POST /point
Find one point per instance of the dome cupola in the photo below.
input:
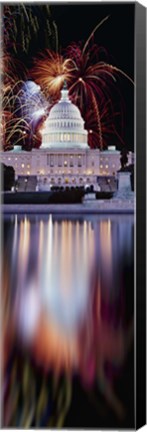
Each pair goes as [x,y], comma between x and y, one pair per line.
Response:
[64,127]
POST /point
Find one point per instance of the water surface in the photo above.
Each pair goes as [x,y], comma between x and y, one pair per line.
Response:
[68,291]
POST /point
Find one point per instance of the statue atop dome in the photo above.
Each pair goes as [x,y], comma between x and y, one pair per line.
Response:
[65,85]
[64,93]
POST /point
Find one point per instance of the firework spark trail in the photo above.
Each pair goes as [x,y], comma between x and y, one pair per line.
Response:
[23,107]
[12,124]
[95,105]
[22,24]
[108,117]
[18,106]
[50,70]
[90,80]
[31,100]
[93,31]
[11,70]
[97,76]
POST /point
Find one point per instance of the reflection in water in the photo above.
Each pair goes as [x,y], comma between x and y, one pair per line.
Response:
[65,284]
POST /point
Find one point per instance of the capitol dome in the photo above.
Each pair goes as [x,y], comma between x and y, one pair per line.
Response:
[64,127]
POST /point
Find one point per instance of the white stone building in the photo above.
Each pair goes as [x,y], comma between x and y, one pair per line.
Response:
[64,158]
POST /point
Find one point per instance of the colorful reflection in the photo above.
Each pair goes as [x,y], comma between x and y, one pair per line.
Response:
[66,315]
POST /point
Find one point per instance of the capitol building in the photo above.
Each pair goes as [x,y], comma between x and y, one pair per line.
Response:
[64,158]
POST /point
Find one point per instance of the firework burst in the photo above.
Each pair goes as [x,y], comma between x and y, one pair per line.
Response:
[92,83]
[23,110]
[22,25]
[107,124]
[50,71]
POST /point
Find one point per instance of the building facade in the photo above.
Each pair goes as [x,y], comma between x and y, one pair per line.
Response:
[64,157]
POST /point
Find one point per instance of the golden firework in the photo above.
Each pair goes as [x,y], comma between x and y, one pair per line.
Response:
[50,71]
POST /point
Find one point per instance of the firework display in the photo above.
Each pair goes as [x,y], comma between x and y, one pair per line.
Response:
[67,156]
[21,30]
[23,24]
[92,80]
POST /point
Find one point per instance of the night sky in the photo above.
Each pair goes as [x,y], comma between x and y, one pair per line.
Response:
[116,35]
[75,22]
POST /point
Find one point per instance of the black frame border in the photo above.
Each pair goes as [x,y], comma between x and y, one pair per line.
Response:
[140,295]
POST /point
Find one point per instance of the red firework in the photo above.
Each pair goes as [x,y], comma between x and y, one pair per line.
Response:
[50,70]
[108,119]
[92,83]
[93,87]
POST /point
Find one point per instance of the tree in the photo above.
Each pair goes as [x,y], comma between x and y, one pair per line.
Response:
[8,177]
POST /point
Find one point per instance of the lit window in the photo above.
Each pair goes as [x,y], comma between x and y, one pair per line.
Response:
[9,158]
[15,158]
[65,163]
[106,166]
[22,165]
[71,160]
[101,166]
[28,172]
[28,166]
